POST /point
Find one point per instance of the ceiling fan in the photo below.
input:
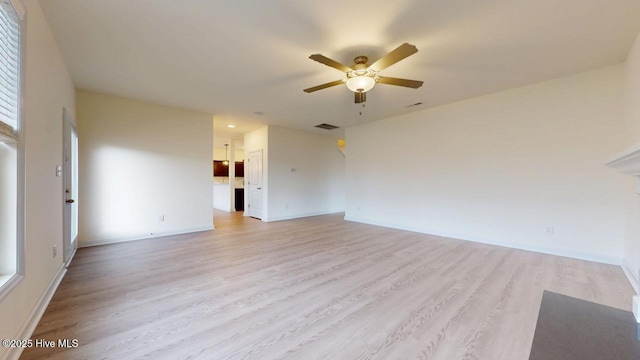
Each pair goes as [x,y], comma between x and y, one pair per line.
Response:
[361,77]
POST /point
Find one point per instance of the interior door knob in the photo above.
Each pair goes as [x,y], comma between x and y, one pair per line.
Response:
[70,201]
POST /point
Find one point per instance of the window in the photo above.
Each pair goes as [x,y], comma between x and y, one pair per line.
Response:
[11,168]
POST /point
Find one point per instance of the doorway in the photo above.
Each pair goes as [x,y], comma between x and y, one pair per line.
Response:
[255,184]
[70,186]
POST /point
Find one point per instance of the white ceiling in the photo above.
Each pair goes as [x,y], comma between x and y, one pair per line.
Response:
[234,58]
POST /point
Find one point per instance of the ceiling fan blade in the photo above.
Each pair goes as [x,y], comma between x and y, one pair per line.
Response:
[329,62]
[324,86]
[360,97]
[414,84]
[394,56]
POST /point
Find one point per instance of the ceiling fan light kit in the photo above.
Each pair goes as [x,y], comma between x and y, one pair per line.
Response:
[362,77]
[360,83]
[361,80]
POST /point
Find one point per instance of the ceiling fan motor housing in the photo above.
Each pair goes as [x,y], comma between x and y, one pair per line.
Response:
[360,60]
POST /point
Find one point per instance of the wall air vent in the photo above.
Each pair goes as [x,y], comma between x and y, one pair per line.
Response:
[327,126]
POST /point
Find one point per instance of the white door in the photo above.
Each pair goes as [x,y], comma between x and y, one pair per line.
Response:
[255,184]
[70,186]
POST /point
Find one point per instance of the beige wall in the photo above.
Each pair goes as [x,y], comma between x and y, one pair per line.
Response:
[316,186]
[48,90]
[306,174]
[502,168]
[632,117]
[140,161]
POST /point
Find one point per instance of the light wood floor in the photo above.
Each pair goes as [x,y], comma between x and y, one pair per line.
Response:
[313,288]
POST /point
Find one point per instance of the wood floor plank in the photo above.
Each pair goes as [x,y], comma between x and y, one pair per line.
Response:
[312,288]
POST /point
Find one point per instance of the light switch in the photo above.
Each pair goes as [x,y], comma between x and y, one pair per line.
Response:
[58,170]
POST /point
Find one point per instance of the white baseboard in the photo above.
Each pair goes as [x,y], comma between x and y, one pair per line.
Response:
[298,216]
[612,260]
[89,243]
[36,314]
[628,271]
[73,254]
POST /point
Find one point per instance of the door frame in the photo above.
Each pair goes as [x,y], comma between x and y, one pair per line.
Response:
[248,202]
[69,246]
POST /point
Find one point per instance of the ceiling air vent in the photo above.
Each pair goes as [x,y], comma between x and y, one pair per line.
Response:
[327,126]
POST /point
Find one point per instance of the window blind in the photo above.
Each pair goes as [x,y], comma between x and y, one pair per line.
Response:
[9,70]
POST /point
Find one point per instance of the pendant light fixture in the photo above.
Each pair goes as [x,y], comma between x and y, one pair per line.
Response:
[226,155]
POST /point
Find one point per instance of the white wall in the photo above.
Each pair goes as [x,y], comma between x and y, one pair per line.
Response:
[139,161]
[316,186]
[48,90]
[501,168]
[221,196]
[632,116]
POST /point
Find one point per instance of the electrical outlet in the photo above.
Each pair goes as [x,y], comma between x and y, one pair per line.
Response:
[161,218]
[55,250]
[551,230]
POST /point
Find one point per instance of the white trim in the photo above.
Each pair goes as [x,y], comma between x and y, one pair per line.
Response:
[36,313]
[628,271]
[89,243]
[612,260]
[8,282]
[298,216]
[68,127]
[628,161]
[7,134]
[16,278]
[5,279]
[19,7]
[73,254]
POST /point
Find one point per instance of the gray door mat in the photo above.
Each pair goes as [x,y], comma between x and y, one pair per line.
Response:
[570,328]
